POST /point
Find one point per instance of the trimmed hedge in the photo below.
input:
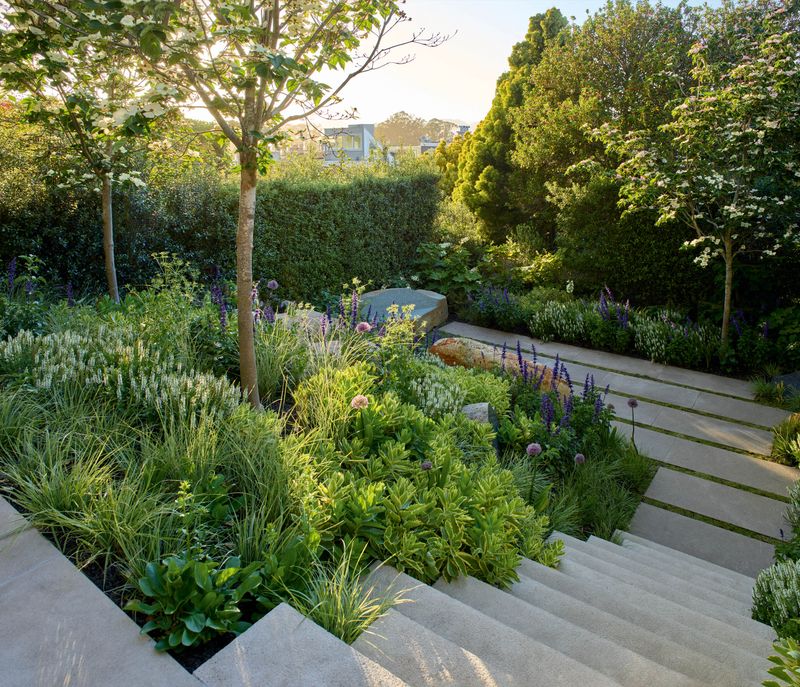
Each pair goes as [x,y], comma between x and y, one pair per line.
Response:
[311,235]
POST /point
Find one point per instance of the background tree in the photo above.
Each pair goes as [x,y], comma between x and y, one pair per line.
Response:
[625,64]
[487,178]
[68,81]
[728,162]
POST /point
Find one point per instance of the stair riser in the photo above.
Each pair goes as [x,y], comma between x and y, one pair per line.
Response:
[643,641]
[607,657]
[696,574]
[531,663]
[744,580]
[734,621]
[619,556]
[692,630]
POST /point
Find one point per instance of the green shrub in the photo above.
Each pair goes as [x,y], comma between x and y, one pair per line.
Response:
[786,441]
[787,664]
[776,598]
[189,601]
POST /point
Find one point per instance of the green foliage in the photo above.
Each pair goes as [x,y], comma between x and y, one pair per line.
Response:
[598,247]
[445,268]
[281,358]
[787,664]
[776,598]
[190,601]
[487,181]
[339,599]
[786,441]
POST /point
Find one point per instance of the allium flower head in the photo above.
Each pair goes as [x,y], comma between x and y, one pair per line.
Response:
[272,285]
[633,403]
[426,465]
[363,327]
[359,402]
[580,459]
[534,449]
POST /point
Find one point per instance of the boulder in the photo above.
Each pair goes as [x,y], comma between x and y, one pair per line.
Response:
[430,308]
[474,354]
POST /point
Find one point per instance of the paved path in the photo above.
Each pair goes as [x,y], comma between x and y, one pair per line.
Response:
[713,495]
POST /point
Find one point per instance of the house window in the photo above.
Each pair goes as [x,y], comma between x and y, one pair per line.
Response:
[348,142]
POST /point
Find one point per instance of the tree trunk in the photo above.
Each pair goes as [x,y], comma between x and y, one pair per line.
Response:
[108,239]
[244,275]
[726,308]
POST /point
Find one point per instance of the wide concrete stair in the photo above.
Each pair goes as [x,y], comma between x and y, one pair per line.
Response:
[624,615]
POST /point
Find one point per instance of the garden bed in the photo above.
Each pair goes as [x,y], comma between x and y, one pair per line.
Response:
[124,439]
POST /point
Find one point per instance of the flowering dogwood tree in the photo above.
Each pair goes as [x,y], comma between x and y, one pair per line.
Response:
[69,80]
[728,162]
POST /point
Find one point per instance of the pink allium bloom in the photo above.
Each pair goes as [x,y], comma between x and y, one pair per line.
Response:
[534,449]
[272,285]
[633,403]
[359,402]
[363,327]
[580,459]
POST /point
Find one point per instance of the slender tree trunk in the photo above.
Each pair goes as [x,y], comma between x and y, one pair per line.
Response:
[726,308]
[244,275]
[108,239]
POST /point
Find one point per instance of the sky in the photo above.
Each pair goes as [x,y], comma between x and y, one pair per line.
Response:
[455,81]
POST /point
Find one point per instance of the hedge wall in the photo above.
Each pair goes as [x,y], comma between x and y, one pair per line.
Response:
[310,235]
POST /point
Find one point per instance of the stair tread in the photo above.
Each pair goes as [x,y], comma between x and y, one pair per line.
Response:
[493,641]
[694,572]
[599,652]
[675,595]
[424,659]
[683,658]
[741,578]
[285,648]
[745,655]
[703,590]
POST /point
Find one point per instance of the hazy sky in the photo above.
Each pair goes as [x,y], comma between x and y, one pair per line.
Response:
[456,80]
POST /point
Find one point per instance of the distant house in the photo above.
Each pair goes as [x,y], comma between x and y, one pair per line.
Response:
[356,142]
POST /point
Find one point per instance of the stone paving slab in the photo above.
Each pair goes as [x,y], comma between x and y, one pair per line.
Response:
[23,552]
[714,544]
[711,460]
[10,520]
[285,649]
[694,425]
[621,363]
[58,628]
[721,502]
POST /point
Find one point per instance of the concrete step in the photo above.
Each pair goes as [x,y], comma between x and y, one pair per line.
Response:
[424,659]
[581,566]
[693,631]
[596,651]
[494,642]
[666,374]
[286,649]
[742,581]
[679,596]
[58,628]
[681,567]
[702,589]
[690,424]
[681,658]
[712,460]
[709,542]
[721,502]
